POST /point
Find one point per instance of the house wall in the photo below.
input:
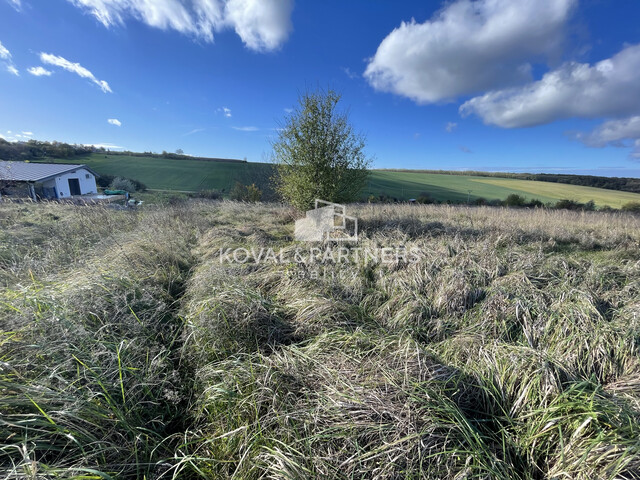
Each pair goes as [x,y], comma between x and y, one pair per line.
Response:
[61,183]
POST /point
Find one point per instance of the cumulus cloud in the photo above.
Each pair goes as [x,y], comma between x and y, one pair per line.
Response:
[39,71]
[615,133]
[226,111]
[27,134]
[7,61]
[76,68]
[114,121]
[468,47]
[450,127]
[262,25]
[609,88]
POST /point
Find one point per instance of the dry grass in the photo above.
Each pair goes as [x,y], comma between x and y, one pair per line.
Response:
[128,350]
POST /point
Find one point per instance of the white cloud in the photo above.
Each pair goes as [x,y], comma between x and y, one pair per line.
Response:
[615,133]
[114,121]
[107,146]
[5,55]
[194,131]
[27,134]
[74,68]
[17,4]
[610,88]
[226,111]
[261,24]
[349,73]
[450,127]
[39,71]
[246,129]
[468,47]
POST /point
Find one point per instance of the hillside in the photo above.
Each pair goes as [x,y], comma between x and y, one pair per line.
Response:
[458,188]
[507,348]
[194,175]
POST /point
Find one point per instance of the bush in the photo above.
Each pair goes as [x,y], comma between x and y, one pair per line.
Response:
[424,198]
[515,200]
[246,193]
[104,181]
[631,207]
[120,183]
[208,194]
[574,205]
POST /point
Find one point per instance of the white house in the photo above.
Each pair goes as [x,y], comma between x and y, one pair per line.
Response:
[49,180]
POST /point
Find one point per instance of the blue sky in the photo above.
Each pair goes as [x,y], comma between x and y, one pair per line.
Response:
[513,85]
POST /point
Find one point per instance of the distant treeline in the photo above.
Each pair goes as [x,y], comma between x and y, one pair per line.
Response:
[624,184]
[38,150]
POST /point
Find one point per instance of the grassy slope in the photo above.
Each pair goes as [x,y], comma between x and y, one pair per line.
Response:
[456,187]
[193,175]
[509,351]
[177,175]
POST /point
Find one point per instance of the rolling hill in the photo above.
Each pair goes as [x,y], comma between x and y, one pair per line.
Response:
[188,175]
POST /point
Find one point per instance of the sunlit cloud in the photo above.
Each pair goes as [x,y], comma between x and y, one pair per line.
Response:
[263,25]
[39,71]
[76,68]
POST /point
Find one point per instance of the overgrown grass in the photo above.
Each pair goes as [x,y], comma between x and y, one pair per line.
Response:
[129,350]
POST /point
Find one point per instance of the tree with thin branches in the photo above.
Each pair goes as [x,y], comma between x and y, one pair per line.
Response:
[318,154]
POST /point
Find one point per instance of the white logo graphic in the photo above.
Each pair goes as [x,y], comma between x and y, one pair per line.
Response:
[328,223]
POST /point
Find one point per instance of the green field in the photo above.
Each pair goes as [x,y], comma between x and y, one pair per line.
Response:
[195,175]
[405,185]
[178,175]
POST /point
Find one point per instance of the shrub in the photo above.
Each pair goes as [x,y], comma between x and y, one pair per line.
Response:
[575,205]
[631,207]
[515,200]
[122,183]
[424,198]
[208,194]
[246,193]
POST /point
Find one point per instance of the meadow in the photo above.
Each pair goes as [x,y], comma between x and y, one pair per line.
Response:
[195,175]
[509,350]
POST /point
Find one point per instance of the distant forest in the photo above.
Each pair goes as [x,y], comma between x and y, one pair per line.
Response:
[37,150]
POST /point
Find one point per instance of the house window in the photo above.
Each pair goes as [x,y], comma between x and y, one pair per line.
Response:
[87,176]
